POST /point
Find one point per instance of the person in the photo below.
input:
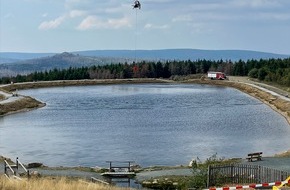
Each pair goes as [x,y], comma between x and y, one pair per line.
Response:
[137,4]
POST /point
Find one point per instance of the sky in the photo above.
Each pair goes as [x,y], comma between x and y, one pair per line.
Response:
[57,26]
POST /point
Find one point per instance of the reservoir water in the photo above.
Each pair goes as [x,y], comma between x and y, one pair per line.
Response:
[151,124]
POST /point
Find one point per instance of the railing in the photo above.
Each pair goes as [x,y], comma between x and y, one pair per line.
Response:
[93,179]
[6,167]
[23,167]
[219,175]
[14,169]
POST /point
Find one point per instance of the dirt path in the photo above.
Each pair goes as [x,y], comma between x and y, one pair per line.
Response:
[270,89]
[8,98]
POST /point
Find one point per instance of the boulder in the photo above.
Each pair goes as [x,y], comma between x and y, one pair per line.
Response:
[34,165]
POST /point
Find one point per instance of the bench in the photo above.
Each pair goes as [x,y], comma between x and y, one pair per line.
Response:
[255,155]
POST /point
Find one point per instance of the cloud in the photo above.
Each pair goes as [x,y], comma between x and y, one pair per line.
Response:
[47,25]
[256,3]
[113,14]
[94,22]
[149,26]
[182,18]
[76,13]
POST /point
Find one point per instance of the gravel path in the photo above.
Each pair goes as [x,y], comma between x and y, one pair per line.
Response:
[9,97]
[265,87]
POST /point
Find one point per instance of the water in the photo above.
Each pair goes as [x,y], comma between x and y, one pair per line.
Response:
[152,124]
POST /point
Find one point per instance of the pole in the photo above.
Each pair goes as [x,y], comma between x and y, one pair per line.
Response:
[136,30]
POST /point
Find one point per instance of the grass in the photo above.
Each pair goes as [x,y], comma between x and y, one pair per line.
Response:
[2,97]
[2,158]
[52,184]
[25,103]
[285,154]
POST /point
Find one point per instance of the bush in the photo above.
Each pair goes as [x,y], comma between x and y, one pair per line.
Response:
[262,73]
[253,73]
[200,170]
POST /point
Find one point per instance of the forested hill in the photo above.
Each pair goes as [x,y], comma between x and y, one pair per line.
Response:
[270,70]
[184,54]
[45,62]
[58,61]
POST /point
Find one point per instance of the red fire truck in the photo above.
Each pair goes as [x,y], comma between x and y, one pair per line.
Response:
[216,75]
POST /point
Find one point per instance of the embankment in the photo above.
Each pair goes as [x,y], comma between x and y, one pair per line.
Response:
[46,84]
[24,103]
[277,103]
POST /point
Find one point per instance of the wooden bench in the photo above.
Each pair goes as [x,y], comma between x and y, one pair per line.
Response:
[255,155]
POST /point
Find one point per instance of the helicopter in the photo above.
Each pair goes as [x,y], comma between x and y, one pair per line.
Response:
[136,5]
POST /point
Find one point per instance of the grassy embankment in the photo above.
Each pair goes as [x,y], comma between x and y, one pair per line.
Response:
[52,184]
[46,84]
[22,104]
[276,103]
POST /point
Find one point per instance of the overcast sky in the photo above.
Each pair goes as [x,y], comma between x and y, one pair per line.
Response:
[72,25]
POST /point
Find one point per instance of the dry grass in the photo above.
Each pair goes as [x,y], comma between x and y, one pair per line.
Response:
[46,84]
[284,154]
[51,184]
[25,103]
[2,97]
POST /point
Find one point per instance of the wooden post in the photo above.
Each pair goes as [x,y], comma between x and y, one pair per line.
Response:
[208,176]
[17,163]
[5,167]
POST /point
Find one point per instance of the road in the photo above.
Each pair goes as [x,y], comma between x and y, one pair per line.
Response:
[265,87]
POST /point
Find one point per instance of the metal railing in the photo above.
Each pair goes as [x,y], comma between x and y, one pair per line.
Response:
[243,174]
[14,169]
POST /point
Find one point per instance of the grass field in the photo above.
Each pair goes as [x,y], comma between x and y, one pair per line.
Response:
[51,184]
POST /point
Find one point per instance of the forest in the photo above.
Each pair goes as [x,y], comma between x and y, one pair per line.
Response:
[268,70]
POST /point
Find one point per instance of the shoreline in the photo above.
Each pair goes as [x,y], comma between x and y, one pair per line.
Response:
[278,104]
[25,103]
[275,102]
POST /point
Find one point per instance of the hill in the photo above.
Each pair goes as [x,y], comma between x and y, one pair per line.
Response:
[184,54]
[58,61]
[10,57]
[12,64]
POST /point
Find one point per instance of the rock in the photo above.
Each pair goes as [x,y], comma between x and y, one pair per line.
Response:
[98,169]
[34,165]
[135,167]
[192,163]
[34,174]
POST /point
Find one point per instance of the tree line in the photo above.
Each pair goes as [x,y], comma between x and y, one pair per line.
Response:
[270,70]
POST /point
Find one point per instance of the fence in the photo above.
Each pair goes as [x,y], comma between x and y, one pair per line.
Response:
[243,174]
[13,170]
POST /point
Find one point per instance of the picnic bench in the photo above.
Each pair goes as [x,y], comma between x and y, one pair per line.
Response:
[256,155]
